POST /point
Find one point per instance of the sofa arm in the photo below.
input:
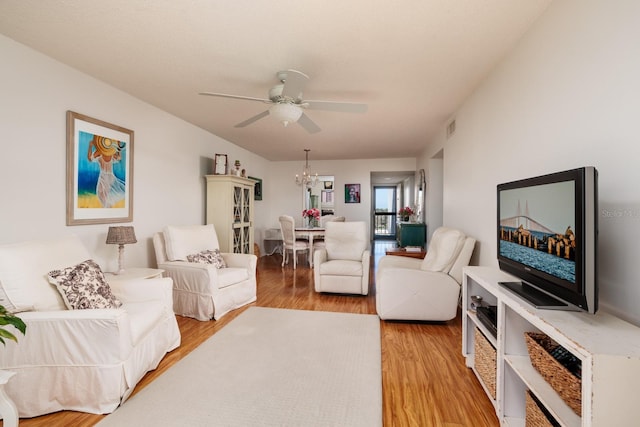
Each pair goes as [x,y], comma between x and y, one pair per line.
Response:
[70,338]
[140,290]
[248,261]
[394,261]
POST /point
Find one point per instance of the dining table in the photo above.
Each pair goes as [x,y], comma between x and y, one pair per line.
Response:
[310,233]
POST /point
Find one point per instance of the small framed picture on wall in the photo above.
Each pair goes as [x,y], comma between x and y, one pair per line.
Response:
[352,193]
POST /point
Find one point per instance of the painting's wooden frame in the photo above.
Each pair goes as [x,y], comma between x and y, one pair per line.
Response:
[79,127]
[257,189]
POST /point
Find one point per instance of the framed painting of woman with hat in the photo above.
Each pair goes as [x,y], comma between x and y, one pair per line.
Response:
[99,171]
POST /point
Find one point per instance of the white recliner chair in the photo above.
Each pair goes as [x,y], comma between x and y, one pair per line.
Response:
[429,289]
[202,290]
[343,265]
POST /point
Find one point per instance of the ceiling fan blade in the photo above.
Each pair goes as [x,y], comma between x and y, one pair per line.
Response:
[248,98]
[308,124]
[345,107]
[252,119]
[294,84]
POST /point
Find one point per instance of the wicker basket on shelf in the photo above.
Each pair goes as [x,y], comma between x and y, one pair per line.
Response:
[485,361]
[567,385]
[535,416]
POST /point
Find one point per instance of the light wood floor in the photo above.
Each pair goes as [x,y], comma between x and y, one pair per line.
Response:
[424,378]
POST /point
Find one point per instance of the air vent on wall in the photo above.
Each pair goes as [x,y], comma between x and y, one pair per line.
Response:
[451,128]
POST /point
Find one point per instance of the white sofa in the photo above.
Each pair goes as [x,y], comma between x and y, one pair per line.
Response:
[201,290]
[429,289]
[86,360]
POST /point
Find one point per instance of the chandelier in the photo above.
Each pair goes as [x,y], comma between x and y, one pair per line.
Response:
[307,178]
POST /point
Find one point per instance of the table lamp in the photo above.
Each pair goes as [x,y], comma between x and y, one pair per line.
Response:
[121,236]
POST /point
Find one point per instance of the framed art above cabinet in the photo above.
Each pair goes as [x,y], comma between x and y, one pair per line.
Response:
[220,164]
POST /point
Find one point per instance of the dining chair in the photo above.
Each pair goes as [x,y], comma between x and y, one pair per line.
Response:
[289,242]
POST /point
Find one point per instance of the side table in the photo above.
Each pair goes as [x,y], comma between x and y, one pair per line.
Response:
[136,273]
[404,252]
[7,407]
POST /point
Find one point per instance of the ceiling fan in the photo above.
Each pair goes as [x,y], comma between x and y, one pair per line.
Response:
[287,104]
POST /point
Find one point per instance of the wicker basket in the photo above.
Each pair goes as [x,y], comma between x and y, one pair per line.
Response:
[535,416]
[485,361]
[567,385]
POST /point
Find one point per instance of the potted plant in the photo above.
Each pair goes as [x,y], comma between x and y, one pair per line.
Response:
[7,318]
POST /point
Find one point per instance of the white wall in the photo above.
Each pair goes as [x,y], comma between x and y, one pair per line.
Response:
[568,96]
[170,156]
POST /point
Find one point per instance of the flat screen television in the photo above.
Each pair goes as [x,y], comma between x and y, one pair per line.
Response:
[547,238]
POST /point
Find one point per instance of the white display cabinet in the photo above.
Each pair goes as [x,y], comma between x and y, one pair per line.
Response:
[230,210]
[608,348]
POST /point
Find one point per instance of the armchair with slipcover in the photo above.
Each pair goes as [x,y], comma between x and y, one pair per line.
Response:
[212,283]
[429,289]
[88,341]
[342,266]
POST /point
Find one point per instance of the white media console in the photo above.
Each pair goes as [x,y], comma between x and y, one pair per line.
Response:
[608,347]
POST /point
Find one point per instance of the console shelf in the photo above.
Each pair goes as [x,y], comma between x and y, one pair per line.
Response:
[608,348]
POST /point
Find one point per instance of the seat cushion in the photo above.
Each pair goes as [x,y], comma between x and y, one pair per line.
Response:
[186,240]
[341,267]
[444,248]
[231,275]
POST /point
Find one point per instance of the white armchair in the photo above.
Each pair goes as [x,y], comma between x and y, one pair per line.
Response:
[343,265]
[201,290]
[429,289]
[86,360]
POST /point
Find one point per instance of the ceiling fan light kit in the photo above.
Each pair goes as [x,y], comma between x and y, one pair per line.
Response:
[285,113]
[287,102]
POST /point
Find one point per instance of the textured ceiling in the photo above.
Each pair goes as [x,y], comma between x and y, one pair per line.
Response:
[413,62]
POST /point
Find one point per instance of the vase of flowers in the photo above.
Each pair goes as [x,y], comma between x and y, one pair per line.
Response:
[312,215]
[405,213]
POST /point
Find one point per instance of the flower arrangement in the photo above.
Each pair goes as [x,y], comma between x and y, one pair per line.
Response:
[311,213]
[406,211]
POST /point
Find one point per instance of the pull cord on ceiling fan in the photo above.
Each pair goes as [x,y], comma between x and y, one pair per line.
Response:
[288,104]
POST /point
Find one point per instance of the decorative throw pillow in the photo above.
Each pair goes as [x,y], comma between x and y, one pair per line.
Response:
[208,257]
[83,286]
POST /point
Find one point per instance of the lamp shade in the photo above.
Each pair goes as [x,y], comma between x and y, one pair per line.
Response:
[286,113]
[123,235]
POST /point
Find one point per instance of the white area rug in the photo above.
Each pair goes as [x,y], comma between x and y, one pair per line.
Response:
[270,367]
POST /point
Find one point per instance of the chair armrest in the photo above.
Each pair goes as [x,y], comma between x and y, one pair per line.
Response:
[70,338]
[319,257]
[192,276]
[140,290]
[248,261]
